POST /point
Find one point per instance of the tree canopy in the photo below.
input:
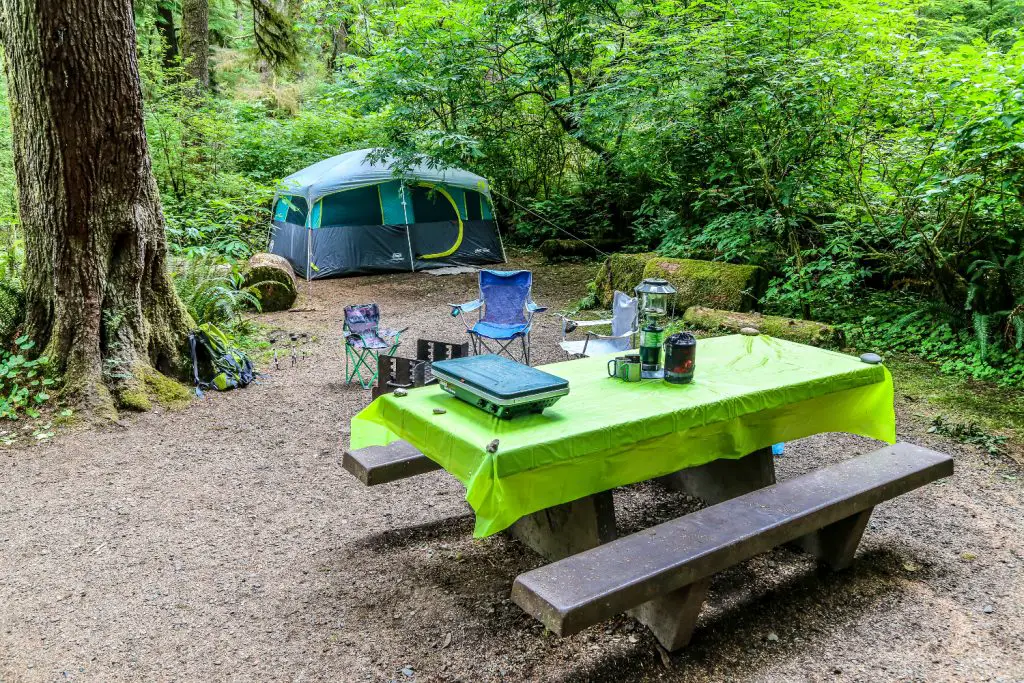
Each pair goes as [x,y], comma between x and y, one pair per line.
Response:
[868,154]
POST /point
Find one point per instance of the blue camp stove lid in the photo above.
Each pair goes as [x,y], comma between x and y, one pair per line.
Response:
[499,377]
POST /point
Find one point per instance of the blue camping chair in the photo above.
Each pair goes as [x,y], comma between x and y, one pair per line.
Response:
[506,313]
[364,340]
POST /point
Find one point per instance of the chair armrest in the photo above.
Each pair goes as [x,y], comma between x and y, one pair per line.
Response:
[625,335]
[534,308]
[569,325]
[466,307]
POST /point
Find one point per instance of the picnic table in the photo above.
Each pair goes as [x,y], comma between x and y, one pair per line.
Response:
[549,476]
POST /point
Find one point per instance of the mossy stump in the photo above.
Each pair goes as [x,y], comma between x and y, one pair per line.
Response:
[620,272]
[803,331]
[709,283]
[272,276]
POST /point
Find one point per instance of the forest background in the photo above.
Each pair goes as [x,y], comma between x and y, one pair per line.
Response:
[869,155]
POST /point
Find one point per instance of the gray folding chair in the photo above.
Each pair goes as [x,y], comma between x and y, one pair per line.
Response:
[624,323]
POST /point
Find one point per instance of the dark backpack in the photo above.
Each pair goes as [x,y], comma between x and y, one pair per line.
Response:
[227,367]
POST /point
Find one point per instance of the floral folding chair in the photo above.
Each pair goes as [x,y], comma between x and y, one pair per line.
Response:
[624,324]
[365,339]
[506,309]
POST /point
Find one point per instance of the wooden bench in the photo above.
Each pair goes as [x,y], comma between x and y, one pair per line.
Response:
[382,464]
[661,574]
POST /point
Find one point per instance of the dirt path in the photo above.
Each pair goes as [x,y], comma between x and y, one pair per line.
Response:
[224,542]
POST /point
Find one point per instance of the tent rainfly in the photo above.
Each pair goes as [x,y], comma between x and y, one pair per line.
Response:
[347,215]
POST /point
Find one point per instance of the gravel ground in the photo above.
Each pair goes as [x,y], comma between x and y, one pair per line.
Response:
[224,542]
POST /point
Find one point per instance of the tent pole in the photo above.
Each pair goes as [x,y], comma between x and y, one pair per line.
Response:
[408,236]
[270,230]
[494,215]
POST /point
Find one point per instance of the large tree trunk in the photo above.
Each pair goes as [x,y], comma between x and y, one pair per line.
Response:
[195,40]
[165,26]
[99,300]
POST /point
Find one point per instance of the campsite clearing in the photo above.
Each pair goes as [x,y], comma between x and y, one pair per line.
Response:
[225,542]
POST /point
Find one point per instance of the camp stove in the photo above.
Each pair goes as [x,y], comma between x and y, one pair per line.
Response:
[499,386]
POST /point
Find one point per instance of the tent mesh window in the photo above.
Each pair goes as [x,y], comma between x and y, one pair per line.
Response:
[431,206]
[294,214]
[361,206]
[473,210]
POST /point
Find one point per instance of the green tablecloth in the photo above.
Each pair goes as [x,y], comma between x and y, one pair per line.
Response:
[747,393]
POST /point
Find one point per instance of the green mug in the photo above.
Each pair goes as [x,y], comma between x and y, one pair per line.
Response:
[626,368]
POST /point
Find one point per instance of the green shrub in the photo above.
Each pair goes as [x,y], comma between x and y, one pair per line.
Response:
[910,323]
[12,295]
[22,381]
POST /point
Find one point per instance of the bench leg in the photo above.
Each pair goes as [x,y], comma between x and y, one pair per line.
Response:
[673,616]
[722,479]
[836,543]
[570,528]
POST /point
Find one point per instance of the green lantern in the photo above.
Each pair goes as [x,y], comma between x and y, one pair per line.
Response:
[655,296]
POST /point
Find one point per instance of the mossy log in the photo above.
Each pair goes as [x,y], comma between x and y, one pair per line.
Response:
[803,331]
[560,250]
[709,283]
[272,276]
[620,272]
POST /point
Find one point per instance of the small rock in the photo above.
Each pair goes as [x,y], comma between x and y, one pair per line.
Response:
[634,639]
[439,411]
[987,609]
[773,637]
[447,640]
[400,393]
[871,358]
[750,331]
[408,672]
[492,447]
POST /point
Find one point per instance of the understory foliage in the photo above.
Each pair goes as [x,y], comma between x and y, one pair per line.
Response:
[23,382]
[12,295]
[850,148]
[869,155]
[214,294]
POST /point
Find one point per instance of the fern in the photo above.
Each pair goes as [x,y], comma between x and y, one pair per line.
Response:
[981,331]
[1017,322]
[213,293]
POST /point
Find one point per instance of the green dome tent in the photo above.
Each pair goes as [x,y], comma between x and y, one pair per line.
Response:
[348,214]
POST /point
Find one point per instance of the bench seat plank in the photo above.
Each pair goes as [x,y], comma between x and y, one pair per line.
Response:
[579,591]
[382,464]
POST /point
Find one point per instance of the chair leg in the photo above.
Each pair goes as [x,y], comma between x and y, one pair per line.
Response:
[364,362]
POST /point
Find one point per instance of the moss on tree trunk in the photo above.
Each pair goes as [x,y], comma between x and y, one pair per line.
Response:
[98,299]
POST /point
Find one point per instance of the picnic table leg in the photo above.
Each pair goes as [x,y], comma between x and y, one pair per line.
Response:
[570,528]
[722,479]
[836,543]
[673,616]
